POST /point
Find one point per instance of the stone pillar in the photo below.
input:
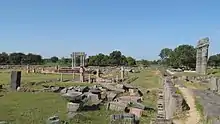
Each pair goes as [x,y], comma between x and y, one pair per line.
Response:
[198,60]
[34,70]
[202,56]
[28,69]
[117,79]
[83,60]
[15,79]
[122,73]
[89,78]
[97,73]
[204,60]
[61,77]
[81,74]
[74,59]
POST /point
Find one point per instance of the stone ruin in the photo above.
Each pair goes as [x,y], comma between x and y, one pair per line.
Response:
[82,56]
[120,97]
[170,103]
[202,55]
[209,101]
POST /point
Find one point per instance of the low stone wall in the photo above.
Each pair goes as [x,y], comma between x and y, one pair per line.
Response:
[210,103]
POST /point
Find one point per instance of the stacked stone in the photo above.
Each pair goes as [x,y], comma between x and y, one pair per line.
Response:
[160,106]
[161,113]
[202,55]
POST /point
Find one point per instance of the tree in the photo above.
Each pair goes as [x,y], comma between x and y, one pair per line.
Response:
[214,60]
[4,58]
[131,61]
[165,53]
[183,56]
[145,63]
[33,59]
[115,58]
[17,58]
[54,59]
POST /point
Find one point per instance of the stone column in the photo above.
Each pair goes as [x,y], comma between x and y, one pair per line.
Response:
[34,70]
[198,60]
[117,79]
[83,59]
[81,74]
[204,60]
[89,78]
[202,56]
[72,60]
[28,69]
[122,73]
[97,73]
[80,60]
[42,70]
[74,57]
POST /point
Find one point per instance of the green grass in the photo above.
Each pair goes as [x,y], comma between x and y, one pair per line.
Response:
[68,84]
[148,80]
[215,72]
[32,77]
[199,108]
[196,85]
[30,108]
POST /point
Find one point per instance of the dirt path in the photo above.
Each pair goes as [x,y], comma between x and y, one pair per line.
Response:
[193,116]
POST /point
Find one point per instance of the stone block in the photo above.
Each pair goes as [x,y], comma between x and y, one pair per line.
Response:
[111,96]
[116,106]
[15,79]
[213,85]
[123,119]
[137,112]
[218,85]
[72,107]
[53,120]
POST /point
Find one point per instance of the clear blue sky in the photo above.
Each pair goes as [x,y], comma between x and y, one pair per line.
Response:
[138,28]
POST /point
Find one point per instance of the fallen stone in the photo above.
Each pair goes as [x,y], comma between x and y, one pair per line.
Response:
[81,89]
[55,89]
[72,107]
[137,112]
[73,96]
[53,120]
[4,122]
[63,91]
[116,106]
[129,98]
[137,105]
[125,118]
[111,96]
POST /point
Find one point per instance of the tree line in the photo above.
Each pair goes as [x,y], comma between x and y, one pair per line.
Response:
[20,58]
[184,56]
[115,58]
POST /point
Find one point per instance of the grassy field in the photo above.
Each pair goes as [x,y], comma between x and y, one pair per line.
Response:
[35,108]
[148,80]
[215,72]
